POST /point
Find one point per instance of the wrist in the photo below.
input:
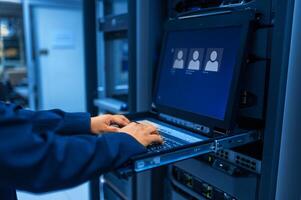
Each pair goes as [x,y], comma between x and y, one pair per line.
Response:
[92,125]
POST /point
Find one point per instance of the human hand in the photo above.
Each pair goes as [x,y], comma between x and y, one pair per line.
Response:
[145,134]
[105,123]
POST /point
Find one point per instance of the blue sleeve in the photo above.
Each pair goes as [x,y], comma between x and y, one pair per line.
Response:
[58,121]
[41,161]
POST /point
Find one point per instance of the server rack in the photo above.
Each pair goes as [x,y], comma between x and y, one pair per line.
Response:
[116,92]
[270,52]
[229,174]
[114,35]
[267,68]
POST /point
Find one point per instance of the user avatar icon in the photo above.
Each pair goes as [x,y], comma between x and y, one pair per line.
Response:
[194,63]
[212,64]
[179,62]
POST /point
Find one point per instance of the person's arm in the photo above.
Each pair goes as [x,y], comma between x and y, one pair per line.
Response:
[57,121]
[42,161]
[65,123]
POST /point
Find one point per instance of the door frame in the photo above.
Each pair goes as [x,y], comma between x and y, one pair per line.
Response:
[31,44]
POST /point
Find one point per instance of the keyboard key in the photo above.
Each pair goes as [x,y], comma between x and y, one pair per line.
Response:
[168,144]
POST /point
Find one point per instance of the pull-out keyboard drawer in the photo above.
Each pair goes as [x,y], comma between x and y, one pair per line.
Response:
[149,161]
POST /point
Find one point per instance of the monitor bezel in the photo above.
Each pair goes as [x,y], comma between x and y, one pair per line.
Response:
[242,19]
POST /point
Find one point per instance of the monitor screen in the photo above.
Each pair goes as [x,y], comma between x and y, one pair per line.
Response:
[197,69]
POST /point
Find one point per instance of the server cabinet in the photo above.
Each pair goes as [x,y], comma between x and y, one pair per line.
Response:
[262,99]
[124,77]
[231,173]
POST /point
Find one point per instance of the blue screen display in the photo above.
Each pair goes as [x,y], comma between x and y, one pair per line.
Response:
[197,69]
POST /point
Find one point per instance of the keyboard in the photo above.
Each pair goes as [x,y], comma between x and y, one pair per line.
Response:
[167,135]
[164,130]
